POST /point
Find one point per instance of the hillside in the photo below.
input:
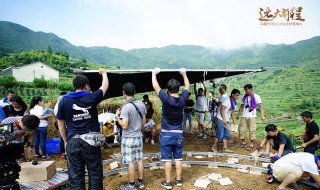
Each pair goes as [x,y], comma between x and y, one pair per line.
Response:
[16,38]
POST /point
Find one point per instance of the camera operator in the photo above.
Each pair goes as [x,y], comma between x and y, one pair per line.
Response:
[21,126]
[12,133]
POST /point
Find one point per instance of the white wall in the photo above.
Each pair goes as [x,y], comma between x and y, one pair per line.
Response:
[35,70]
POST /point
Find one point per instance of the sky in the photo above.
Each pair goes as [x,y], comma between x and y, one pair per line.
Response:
[130,24]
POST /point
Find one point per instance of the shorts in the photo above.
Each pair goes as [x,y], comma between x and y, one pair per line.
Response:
[147,134]
[171,144]
[281,172]
[222,131]
[248,122]
[110,139]
[200,117]
[210,116]
[131,149]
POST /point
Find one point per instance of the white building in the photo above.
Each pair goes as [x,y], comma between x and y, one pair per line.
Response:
[29,72]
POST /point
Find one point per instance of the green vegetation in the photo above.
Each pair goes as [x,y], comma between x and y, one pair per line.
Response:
[289,87]
[15,38]
[285,94]
[58,60]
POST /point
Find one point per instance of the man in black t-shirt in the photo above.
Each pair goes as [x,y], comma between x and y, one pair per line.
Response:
[187,114]
[311,136]
[78,111]
[278,140]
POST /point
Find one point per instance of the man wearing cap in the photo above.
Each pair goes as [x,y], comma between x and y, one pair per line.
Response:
[108,131]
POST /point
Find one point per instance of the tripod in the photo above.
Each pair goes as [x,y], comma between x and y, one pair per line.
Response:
[206,129]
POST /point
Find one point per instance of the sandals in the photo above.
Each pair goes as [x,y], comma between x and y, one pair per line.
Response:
[240,145]
[250,148]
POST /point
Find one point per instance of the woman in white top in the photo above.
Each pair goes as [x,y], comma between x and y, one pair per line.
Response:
[40,134]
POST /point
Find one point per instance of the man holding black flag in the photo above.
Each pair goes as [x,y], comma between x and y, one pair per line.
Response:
[77,110]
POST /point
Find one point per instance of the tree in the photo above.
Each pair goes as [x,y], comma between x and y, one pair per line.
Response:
[40,83]
[83,60]
[49,50]
[8,81]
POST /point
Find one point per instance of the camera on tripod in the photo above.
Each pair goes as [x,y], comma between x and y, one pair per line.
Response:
[10,151]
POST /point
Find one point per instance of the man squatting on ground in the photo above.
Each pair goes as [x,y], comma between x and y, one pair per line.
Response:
[78,111]
[131,118]
[223,114]
[278,140]
[249,103]
[171,137]
[200,107]
[295,166]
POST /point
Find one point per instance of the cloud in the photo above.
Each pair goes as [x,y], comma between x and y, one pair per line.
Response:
[228,24]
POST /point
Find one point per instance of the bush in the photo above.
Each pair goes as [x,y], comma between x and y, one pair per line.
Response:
[40,83]
[65,86]
[52,84]
[8,81]
[25,84]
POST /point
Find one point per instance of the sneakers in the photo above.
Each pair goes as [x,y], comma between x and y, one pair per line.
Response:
[240,145]
[269,178]
[204,137]
[167,185]
[147,140]
[39,156]
[139,184]
[179,182]
[250,148]
[46,156]
[214,148]
[152,142]
[264,155]
[128,187]
[227,150]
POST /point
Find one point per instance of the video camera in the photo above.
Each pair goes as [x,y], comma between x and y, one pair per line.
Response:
[10,151]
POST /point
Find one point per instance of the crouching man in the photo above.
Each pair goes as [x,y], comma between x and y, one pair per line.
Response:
[296,166]
[278,140]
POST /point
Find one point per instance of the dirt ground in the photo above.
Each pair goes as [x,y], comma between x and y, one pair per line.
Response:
[153,178]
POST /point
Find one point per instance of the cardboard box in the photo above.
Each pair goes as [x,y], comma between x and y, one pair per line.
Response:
[44,170]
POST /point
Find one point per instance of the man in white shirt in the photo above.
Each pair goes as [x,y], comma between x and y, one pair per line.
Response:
[294,166]
[200,107]
[6,101]
[223,114]
[223,92]
[249,103]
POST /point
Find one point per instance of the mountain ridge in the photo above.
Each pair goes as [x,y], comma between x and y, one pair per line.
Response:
[15,38]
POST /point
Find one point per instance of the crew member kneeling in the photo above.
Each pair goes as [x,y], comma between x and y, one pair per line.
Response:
[295,166]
